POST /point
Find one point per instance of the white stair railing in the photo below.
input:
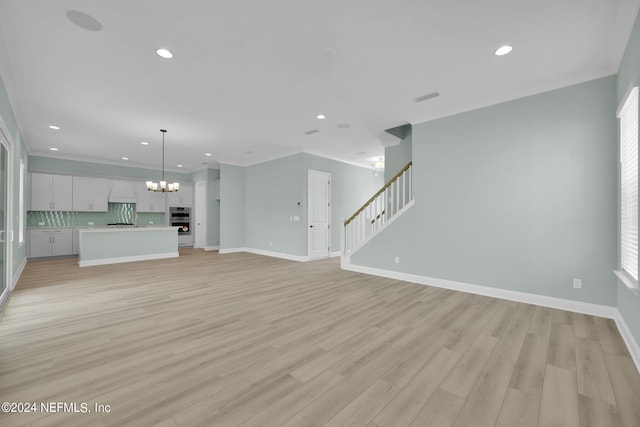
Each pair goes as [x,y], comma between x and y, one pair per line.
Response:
[367,221]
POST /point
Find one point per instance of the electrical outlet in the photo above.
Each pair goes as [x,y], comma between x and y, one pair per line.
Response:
[90,223]
[397,260]
[270,244]
[577,283]
[150,222]
[41,223]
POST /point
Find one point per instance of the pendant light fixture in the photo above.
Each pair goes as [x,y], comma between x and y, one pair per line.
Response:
[163,186]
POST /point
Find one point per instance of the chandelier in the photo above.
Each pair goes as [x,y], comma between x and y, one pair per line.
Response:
[163,186]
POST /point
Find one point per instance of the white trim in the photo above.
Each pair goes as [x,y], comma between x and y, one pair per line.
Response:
[211,248]
[232,250]
[628,282]
[627,336]
[118,260]
[631,86]
[18,273]
[335,254]
[290,257]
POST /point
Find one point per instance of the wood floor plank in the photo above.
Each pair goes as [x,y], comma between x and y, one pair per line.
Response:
[562,346]
[593,377]
[626,387]
[463,376]
[519,409]
[528,374]
[559,406]
[408,402]
[365,407]
[440,410]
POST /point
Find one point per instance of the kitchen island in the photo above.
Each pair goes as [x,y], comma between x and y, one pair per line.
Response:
[108,245]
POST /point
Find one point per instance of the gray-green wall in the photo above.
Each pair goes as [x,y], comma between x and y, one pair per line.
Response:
[518,196]
[275,191]
[628,74]
[232,206]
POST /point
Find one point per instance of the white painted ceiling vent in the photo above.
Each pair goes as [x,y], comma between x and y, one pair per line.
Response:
[427,96]
[83,20]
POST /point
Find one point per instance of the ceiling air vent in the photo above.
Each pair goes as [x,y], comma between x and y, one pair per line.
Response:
[427,96]
[311,132]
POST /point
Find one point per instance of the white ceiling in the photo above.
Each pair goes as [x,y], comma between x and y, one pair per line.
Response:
[249,77]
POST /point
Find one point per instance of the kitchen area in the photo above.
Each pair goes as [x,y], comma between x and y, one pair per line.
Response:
[105,220]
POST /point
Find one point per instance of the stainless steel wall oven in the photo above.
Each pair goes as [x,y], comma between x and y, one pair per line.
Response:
[180,217]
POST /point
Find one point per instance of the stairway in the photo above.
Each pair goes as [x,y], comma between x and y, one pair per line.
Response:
[393,199]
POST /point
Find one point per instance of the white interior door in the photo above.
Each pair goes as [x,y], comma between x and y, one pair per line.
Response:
[319,236]
[200,215]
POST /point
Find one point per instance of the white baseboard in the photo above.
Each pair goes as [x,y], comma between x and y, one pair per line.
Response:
[211,248]
[335,254]
[527,298]
[232,250]
[290,257]
[18,273]
[627,336]
[118,260]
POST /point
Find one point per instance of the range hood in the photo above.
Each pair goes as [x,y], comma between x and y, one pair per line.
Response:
[122,192]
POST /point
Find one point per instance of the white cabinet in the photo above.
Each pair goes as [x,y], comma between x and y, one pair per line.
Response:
[149,201]
[51,192]
[182,197]
[50,242]
[89,194]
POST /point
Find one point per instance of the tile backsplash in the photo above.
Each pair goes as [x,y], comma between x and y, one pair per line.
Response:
[117,212]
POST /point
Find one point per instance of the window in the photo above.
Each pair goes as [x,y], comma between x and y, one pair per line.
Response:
[21,203]
[628,115]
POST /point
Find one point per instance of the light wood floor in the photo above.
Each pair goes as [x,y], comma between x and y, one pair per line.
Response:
[241,339]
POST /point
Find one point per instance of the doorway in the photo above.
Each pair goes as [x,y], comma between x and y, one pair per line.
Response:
[319,232]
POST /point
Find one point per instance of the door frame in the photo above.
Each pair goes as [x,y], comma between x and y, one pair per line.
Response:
[200,204]
[309,213]
[7,142]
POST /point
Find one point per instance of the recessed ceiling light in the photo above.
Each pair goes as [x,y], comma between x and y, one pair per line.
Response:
[54,127]
[165,53]
[53,149]
[503,50]
[207,154]
[179,166]
[144,143]
[125,158]
[321,116]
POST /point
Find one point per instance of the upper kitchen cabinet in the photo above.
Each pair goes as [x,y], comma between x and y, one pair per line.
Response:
[182,197]
[149,201]
[90,194]
[51,192]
